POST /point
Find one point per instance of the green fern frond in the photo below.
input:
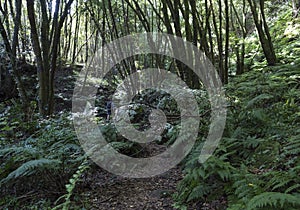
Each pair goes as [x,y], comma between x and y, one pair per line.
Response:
[31,167]
[12,151]
[72,147]
[292,188]
[274,200]
[278,180]
[199,192]
[293,147]
[243,189]
[252,142]
[65,148]
[236,206]
[258,99]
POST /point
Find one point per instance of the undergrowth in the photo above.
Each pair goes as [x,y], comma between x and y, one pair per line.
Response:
[40,165]
[256,166]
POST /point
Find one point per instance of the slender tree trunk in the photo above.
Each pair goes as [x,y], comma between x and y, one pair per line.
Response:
[68,37]
[263,31]
[226,65]
[46,50]
[12,53]
[208,11]
[55,54]
[140,14]
[43,94]
[220,45]
[272,59]
[240,34]
[86,32]
[75,40]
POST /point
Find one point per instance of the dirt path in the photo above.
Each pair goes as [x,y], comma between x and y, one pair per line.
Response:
[106,191]
[113,192]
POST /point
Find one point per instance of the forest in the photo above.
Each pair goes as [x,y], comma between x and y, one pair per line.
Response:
[198,104]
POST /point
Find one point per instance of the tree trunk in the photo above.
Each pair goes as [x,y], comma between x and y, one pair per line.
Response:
[55,54]
[12,52]
[75,39]
[220,43]
[240,34]
[263,32]
[41,71]
[46,51]
[226,65]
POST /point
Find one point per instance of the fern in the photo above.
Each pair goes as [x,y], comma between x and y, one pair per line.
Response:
[279,180]
[197,185]
[46,159]
[199,192]
[246,185]
[275,200]
[293,188]
[261,143]
[259,99]
[236,206]
[13,157]
[293,147]
[31,167]
[71,186]
[19,153]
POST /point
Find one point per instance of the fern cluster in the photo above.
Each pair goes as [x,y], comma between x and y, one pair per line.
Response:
[44,160]
[256,166]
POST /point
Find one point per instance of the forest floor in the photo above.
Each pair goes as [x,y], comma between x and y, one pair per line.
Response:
[103,190]
[107,191]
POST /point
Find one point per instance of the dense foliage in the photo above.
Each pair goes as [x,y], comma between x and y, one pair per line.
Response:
[257,164]
[255,47]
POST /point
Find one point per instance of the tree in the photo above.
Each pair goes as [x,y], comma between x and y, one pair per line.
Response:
[240,29]
[263,31]
[11,47]
[46,46]
[217,27]
[226,65]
